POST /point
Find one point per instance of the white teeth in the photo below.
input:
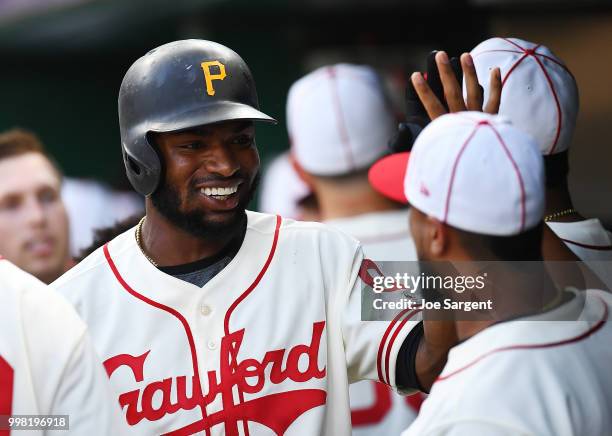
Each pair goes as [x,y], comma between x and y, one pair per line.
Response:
[219,192]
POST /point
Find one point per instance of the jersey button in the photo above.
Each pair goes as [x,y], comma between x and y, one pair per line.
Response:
[205,310]
[212,345]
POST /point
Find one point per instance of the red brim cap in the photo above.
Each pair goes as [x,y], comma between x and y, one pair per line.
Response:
[387,176]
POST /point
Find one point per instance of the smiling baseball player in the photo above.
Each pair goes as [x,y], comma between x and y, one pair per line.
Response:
[476,186]
[47,363]
[212,319]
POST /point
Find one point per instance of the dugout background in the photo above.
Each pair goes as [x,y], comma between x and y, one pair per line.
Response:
[62,62]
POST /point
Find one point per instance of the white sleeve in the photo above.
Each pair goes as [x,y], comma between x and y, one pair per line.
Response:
[470,427]
[84,394]
[371,347]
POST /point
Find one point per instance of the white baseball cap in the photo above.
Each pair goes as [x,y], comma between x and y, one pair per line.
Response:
[470,170]
[282,188]
[339,119]
[539,93]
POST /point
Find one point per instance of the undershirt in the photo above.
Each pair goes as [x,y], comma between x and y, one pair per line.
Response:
[203,270]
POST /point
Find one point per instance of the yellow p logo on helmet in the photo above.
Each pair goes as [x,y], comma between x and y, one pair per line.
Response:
[209,76]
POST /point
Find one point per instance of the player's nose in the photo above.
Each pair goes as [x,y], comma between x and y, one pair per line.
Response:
[222,161]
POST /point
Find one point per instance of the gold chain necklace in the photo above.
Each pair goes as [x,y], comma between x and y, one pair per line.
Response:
[138,231]
[559,214]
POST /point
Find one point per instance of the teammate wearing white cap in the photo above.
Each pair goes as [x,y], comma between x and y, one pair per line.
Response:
[284,192]
[476,186]
[540,96]
[340,121]
[47,363]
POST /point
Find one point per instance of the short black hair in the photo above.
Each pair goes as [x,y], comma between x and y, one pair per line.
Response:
[525,246]
[106,234]
[557,168]
[349,177]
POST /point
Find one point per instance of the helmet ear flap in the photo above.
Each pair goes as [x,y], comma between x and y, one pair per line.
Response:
[144,175]
[131,164]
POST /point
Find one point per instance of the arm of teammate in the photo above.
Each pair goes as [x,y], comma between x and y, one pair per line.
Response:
[84,394]
[371,347]
[469,427]
[404,353]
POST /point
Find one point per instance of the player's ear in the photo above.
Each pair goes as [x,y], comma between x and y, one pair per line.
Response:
[437,237]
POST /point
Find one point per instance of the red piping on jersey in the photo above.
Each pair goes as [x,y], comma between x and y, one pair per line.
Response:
[170,310]
[239,300]
[392,340]
[590,247]
[518,175]
[342,131]
[381,346]
[578,338]
[7,384]
[452,179]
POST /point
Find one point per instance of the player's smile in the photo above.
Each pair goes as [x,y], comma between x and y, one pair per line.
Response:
[219,197]
[216,166]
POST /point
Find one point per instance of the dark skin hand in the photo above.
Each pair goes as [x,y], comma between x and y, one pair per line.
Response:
[440,336]
[452,89]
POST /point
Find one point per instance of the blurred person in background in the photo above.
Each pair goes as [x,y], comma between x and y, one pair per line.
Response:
[540,96]
[33,218]
[340,121]
[103,235]
[48,365]
[283,192]
[92,205]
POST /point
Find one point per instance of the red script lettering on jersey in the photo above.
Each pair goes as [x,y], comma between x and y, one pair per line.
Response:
[275,411]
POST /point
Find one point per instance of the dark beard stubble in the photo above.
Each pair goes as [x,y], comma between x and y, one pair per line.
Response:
[166,199]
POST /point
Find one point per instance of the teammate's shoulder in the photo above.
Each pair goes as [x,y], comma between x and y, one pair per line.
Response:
[95,261]
[306,229]
[14,278]
[35,300]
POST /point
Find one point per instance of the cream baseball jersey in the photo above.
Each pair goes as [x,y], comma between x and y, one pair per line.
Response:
[47,362]
[375,408]
[528,377]
[590,242]
[268,346]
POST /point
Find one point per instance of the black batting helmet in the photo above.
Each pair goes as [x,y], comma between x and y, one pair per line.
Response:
[177,86]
